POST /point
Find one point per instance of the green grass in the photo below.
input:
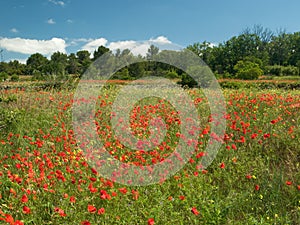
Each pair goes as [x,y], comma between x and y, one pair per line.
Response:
[39,157]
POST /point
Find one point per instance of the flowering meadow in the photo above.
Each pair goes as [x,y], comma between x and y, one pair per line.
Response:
[45,177]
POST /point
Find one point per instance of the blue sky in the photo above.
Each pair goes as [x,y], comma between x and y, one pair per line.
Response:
[46,26]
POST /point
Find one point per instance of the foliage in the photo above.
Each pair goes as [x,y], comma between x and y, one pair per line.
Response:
[277,70]
[247,70]
[14,77]
[275,53]
[45,178]
[3,76]
[187,81]
[171,74]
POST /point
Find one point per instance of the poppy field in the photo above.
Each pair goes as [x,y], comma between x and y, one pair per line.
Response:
[45,177]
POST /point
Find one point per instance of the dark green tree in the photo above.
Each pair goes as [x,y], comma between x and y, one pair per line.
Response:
[36,63]
[84,60]
[58,63]
[72,64]
[100,51]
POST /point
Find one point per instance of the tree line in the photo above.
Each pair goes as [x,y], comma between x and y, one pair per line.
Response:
[254,52]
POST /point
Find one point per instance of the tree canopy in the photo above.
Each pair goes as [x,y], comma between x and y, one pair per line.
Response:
[255,51]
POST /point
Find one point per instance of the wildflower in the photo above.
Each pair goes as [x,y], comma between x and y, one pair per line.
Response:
[60,211]
[151,221]
[24,198]
[92,209]
[222,165]
[101,211]
[195,211]
[26,210]
[233,146]
[288,183]
[123,190]
[72,199]
[181,197]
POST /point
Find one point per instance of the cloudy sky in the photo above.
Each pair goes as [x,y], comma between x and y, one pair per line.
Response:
[47,26]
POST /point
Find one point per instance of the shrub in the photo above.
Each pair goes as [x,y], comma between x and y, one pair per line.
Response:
[14,77]
[188,81]
[171,74]
[277,70]
[290,70]
[247,70]
[3,76]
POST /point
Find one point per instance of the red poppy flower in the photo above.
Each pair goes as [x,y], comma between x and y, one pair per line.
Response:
[248,176]
[24,198]
[26,210]
[257,187]
[101,211]
[222,165]
[288,183]
[86,222]
[92,209]
[181,197]
[151,221]
[233,146]
[204,171]
[195,211]
[61,212]
[123,190]
[72,199]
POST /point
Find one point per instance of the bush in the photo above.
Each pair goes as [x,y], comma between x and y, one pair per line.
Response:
[14,77]
[188,81]
[3,76]
[277,70]
[171,74]
[247,70]
[290,70]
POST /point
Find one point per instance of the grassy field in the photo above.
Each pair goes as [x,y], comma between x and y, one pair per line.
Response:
[255,178]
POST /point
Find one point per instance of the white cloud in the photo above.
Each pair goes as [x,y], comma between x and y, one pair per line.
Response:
[31,46]
[160,40]
[77,41]
[69,21]
[122,45]
[92,45]
[61,3]
[51,21]
[14,30]
[135,47]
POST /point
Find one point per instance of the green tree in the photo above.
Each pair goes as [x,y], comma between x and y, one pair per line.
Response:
[203,50]
[15,67]
[84,60]
[100,51]
[239,47]
[153,65]
[294,57]
[36,63]
[73,64]
[152,51]
[280,49]
[137,70]
[58,63]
